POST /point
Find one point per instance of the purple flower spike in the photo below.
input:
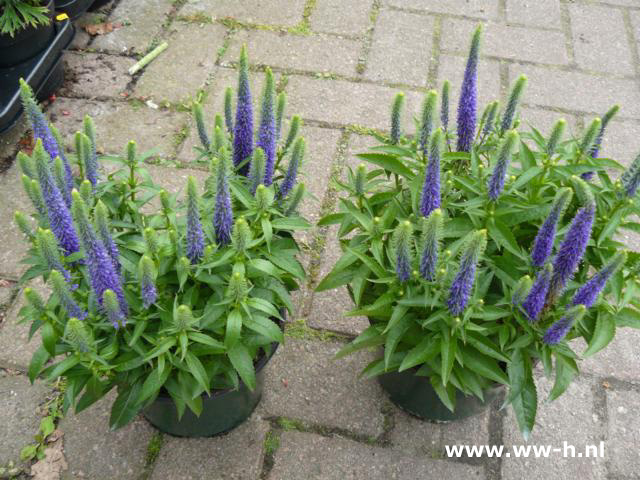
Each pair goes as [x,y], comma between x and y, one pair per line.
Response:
[102,225]
[402,240]
[61,288]
[431,233]
[147,276]
[460,290]
[499,174]
[543,244]
[102,274]
[468,96]
[589,292]
[289,180]
[57,212]
[243,128]
[267,132]
[195,236]
[535,300]
[430,199]
[223,214]
[572,249]
[631,178]
[556,333]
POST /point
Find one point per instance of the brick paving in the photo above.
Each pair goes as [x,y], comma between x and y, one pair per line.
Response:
[340,64]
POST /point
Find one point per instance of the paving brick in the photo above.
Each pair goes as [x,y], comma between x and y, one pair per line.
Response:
[342,102]
[624,432]
[94,451]
[117,123]
[635,24]
[305,455]
[12,198]
[600,39]
[452,68]
[401,55]
[573,90]
[428,439]
[9,143]
[7,290]
[468,8]
[623,350]
[572,418]
[544,120]
[182,69]
[95,75]
[621,141]
[19,419]
[275,12]
[312,53]
[514,43]
[331,16]
[235,455]
[16,349]
[540,13]
[141,22]
[305,382]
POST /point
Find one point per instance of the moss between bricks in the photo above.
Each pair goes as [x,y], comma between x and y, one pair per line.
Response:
[299,329]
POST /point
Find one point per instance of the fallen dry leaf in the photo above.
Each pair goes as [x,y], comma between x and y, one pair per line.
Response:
[52,465]
[101,28]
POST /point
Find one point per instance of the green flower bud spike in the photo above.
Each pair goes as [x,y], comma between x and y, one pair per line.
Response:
[556,136]
[151,241]
[360,180]
[238,288]
[241,235]
[34,300]
[590,136]
[264,197]
[183,318]
[396,118]
[79,336]
[24,224]
[295,199]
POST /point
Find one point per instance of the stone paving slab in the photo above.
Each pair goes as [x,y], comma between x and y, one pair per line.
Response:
[401,55]
[623,350]
[305,382]
[236,455]
[7,290]
[600,39]
[95,452]
[182,68]
[468,8]
[95,75]
[342,102]
[528,44]
[274,12]
[305,456]
[329,16]
[539,13]
[624,431]
[141,22]
[119,122]
[319,53]
[19,420]
[573,418]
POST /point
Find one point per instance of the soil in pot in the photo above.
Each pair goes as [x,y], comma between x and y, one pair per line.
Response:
[26,43]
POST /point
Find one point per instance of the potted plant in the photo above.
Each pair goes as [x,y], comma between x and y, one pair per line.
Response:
[479,254]
[177,304]
[26,28]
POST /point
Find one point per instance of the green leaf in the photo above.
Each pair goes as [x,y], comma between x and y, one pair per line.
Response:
[427,349]
[49,338]
[335,279]
[504,236]
[205,339]
[266,327]
[394,336]
[264,306]
[628,317]
[58,369]
[287,263]
[486,346]
[448,346]
[602,335]
[369,262]
[485,366]
[331,219]
[290,223]
[525,405]
[447,395]
[234,328]
[243,363]
[38,360]
[159,349]
[47,426]
[198,371]
[389,162]
[564,376]
[265,266]
[125,407]
[369,338]
[153,383]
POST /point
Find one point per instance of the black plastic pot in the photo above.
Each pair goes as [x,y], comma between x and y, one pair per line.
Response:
[415,395]
[73,8]
[26,43]
[44,73]
[222,411]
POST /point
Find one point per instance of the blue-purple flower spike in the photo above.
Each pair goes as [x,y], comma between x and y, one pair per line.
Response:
[430,199]
[102,274]
[537,297]
[289,180]
[499,173]
[556,333]
[59,216]
[402,240]
[572,249]
[631,178]
[606,118]
[243,128]
[147,276]
[467,106]
[267,132]
[102,226]
[462,284]
[589,292]
[222,214]
[195,236]
[431,233]
[543,244]
[61,288]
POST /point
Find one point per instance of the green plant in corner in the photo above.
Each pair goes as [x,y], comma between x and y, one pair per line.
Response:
[16,15]
[475,263]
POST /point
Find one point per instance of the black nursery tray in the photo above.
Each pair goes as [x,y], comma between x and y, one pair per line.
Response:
[73,8]
[43,73]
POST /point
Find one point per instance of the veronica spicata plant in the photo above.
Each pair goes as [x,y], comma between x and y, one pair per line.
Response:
[153,292]
[475,263]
